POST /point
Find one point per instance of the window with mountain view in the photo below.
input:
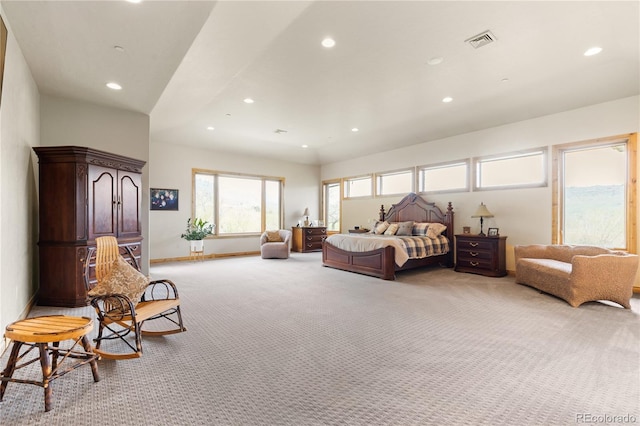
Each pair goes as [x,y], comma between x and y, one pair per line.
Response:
[594,195]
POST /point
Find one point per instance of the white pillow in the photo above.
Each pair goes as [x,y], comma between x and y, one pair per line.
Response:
[392,229]
[435,229]
[381,227]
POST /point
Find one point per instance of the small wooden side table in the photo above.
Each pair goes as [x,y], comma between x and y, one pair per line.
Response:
[38,332]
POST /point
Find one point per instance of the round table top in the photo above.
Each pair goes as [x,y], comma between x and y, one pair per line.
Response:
[45,329]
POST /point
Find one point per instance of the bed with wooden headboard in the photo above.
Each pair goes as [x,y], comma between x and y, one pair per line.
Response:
[381,262]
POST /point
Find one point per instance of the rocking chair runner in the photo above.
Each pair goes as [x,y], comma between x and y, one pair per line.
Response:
[119,317]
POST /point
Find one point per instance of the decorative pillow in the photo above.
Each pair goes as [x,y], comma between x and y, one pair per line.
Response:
[381,227]
[122,279]
[392,229]
[420,228]
[435,229]
[273,237]
[375,225]
[405,228]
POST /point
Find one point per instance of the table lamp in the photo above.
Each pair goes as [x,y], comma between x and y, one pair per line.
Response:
[482,212]
[306,216]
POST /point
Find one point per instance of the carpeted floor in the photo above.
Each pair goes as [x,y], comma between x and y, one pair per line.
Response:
[289,342]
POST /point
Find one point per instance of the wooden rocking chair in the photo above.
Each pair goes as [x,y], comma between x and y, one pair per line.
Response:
[121,319]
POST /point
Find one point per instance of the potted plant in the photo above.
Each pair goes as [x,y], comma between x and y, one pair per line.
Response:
[197,230]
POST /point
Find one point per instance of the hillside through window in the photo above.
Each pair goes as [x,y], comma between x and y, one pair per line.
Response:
[595,188]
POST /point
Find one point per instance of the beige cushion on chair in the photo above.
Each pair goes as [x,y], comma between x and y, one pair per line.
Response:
[274,237]
[123,279]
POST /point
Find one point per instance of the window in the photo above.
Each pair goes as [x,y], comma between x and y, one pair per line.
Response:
[331,205]
[238,204]
[595,190]
[358,187]
[444,177]
[516,170]
[397,182]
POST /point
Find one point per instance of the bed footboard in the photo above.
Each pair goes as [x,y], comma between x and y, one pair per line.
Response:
[377,263]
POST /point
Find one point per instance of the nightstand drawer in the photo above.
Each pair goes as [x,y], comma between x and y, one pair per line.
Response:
[474,244]
[314,231]
[479,264]
[308,246]
[468,254]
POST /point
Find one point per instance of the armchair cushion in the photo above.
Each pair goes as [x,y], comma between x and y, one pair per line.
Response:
[274,237]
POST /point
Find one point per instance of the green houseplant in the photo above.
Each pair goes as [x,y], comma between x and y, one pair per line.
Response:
[197,230]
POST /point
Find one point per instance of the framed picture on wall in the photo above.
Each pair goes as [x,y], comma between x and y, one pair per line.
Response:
[164,199]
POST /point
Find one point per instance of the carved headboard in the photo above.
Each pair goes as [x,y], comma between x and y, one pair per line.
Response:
[415,208]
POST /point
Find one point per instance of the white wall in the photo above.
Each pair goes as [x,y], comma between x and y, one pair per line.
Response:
[171,167]
[19,131]
[70,122]
[524,215]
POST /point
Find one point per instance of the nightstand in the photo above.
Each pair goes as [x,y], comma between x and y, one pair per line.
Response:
[308,238]
[358,231]
[481,255]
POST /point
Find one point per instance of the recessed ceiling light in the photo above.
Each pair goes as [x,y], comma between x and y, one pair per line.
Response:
[114,86]
[211,128]
[305,146]
[435,60]
[593,51]
[134,1]
[505,80]
[328,42]
[119,48]
[355,129]
[248,100]
[447,99]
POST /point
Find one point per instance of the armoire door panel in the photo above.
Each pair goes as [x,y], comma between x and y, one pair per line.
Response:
[102,202]
[130,194]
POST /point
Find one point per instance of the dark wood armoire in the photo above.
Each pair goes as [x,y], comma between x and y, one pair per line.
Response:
[84,193]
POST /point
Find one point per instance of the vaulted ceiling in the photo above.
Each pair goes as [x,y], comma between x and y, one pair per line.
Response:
[191,64]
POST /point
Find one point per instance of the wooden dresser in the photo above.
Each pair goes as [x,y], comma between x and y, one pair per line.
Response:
[308,238]
[481,255]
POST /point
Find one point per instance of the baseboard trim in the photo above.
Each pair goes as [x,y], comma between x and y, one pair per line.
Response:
[205,257]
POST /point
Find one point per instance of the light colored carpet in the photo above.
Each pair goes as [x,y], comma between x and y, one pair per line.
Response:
[289,342]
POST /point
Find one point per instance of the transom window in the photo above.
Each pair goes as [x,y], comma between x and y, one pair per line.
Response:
[444,177]
[515,170]
[396,182]
[360,186]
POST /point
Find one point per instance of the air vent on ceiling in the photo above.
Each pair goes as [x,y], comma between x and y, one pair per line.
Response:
[481,39]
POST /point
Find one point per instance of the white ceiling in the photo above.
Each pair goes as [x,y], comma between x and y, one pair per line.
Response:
[190,64]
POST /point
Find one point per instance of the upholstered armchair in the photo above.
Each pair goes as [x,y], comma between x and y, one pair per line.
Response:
[275,244]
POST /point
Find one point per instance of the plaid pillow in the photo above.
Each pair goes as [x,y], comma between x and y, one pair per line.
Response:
[420,229]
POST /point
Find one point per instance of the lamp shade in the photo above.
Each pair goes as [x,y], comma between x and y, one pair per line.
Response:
[482,211]
[306,212]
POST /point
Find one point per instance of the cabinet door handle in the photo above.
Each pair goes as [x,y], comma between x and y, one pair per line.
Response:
[474,263]
[473,253]
[473,244]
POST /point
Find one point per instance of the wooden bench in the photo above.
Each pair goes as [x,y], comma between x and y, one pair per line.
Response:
[119,318]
